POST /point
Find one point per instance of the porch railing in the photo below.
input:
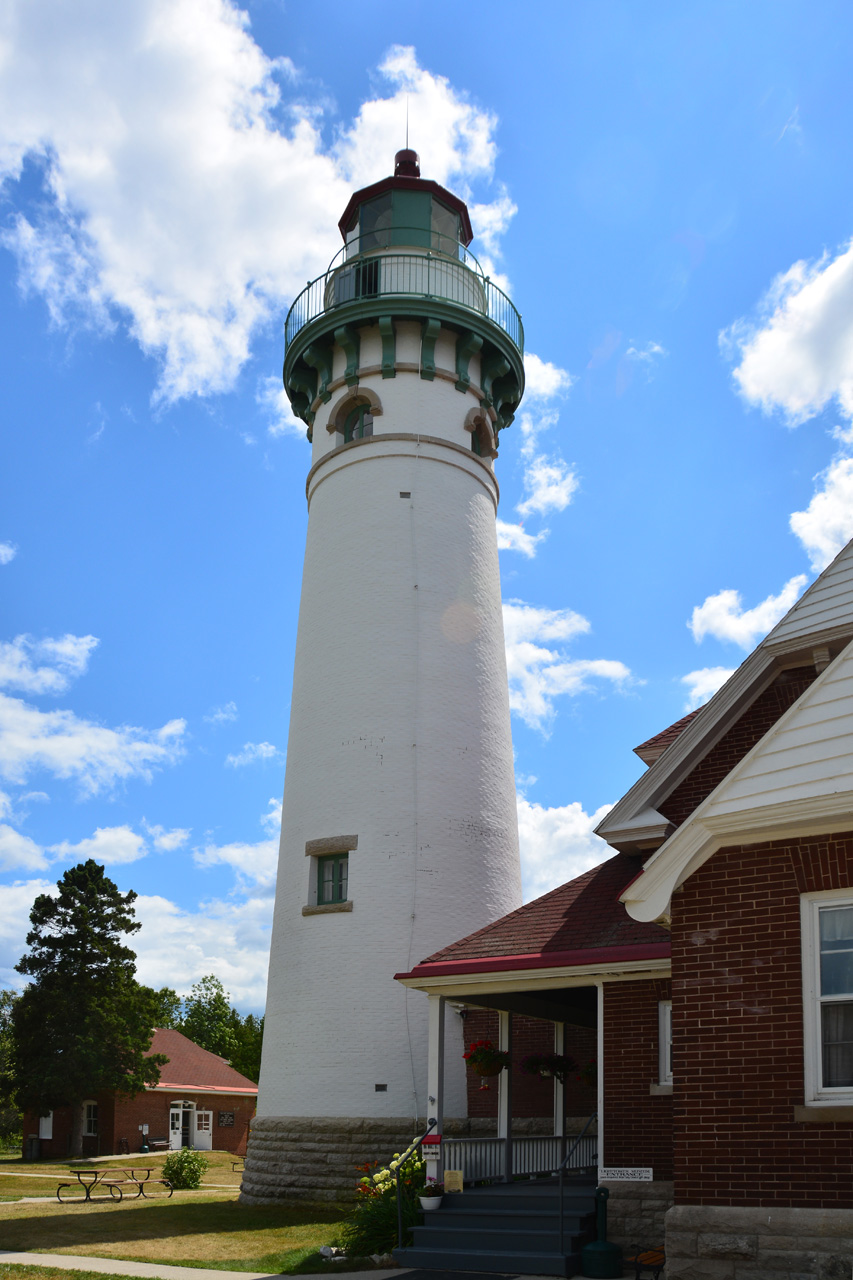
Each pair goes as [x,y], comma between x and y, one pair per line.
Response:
[481,1159]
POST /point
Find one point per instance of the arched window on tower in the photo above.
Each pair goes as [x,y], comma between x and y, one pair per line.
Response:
[358,423]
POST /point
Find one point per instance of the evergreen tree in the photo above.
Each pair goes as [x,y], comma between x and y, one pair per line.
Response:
[84,1023]
[249,1034]
[207,1018]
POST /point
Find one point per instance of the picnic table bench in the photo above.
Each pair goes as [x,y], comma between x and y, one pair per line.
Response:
[114,1181]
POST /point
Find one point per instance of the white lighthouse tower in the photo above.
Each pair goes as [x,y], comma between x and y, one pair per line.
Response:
[399,830]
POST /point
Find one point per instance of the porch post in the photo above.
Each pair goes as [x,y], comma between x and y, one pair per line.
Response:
[435,1074]
[505,1093]
[560,1090]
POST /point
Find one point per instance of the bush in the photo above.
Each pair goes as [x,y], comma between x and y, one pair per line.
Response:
[185,1169]
[372,1226]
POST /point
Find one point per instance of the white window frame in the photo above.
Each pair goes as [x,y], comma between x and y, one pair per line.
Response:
[46,1127]
[810,904]
[664,1042]
[89,1119]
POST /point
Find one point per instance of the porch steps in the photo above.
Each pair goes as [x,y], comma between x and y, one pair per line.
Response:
[506,1228]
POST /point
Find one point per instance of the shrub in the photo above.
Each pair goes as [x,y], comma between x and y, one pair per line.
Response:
[185,1169]
[372,1224]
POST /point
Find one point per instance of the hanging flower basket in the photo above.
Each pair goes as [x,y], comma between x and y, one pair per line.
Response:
[559,1065]
[486,1060]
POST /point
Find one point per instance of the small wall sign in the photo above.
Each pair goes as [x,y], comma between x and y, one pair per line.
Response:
[453,1179]
[226,1118]
[625,1175]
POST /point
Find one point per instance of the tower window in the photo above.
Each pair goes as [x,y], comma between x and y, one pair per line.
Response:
[359,423]
[332,879]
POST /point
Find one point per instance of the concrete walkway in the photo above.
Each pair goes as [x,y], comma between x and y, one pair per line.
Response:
[159,1271]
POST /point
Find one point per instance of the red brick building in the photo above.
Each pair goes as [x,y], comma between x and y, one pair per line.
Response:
[713,956]
[199,1102]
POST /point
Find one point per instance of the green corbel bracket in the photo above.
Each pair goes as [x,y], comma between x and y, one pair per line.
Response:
[430,332]
[467,345]
[494,367]
[310,434]
[302,388]
[319,357]
[347,339]
[505,398]
[389,347]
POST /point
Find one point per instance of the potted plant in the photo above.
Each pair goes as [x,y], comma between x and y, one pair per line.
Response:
[589,1072]
[486,1060]
[430,1196]
[548,1064]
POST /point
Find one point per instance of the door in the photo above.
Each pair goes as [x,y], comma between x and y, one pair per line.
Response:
[175,1114]
[204,1131]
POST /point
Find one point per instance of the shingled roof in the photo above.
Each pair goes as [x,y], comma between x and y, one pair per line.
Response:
[581,922]
[194,1069]
[653,748]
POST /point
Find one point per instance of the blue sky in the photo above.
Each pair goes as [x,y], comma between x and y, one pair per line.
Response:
[665,192]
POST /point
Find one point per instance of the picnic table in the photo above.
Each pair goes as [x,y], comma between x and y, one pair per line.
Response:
[114,1181]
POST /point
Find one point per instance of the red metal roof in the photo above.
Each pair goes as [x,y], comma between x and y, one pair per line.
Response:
[653,748]
[191,1067]
[582,922]
[466,234]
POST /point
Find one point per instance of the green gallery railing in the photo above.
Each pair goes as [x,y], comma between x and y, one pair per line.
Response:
[454,277]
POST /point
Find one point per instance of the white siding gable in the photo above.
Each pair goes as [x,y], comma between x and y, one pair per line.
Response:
[827,605]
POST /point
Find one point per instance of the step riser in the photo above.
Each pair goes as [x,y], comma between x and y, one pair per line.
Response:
[473,1200]
[520,1241]
[530,1264]
[505,1221]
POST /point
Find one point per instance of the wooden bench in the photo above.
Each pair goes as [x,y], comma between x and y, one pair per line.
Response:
[642,1260]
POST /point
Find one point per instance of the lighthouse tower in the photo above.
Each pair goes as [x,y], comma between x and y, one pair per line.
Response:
[399,830]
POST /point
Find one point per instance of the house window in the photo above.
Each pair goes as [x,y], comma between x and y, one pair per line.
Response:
[827,920]
[46,1126]
[665,1042]
[90,1124]
[359,423]
[332,879]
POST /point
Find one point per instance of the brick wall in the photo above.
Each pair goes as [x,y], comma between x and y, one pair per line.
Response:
[733,746]
[738,1031]
[637,1123]
[532,1097]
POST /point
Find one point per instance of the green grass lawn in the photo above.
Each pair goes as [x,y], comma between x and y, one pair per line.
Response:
[205,1228]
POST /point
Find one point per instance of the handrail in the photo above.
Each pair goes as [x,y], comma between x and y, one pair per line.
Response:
[396,1165]
[561,1172]
[386,238]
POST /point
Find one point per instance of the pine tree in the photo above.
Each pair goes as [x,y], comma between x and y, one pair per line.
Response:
[84,1023]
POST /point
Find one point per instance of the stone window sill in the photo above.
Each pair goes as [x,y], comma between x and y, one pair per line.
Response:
[327,909]
[824,1115]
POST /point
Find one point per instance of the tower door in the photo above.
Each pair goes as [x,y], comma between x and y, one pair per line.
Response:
[175,1117]
[203,1131]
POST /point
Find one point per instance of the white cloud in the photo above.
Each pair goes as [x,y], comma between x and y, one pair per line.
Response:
[166,841]
[724,617]
[109,845]
[539,675]
[17,850]
[513,537]
[826,525]
[69,747]
[646,356]
[16,903]
[7,552]
[703,683]
[557,844]
[549,484]
[186,194]
[273,400]
[490,221]
[798,355]
[63,659]
[220,715]
[543,380]
[255,864]
[251,753]
[272,818]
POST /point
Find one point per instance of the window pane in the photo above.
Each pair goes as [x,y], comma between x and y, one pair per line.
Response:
[445,229]
[376,222]
[342,880]
[836,951]
[837,1020]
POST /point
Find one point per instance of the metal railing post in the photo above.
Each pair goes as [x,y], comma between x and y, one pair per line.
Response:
[397,1166]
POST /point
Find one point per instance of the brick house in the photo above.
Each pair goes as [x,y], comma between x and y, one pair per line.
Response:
[725,1052]
[200,1101]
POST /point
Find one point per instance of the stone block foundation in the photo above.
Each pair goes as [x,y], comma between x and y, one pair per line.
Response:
[716,1242]
[636,1212]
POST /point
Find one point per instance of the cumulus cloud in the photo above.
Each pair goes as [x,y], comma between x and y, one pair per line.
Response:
[797,355]
[220,715]
[109,845]
[557,844]
[513,537]
[724,617]
[44,666]
[16,903]
[703,683]
[543,380]
[19,852]
[271,820]
[254,863]
[67,746]
[186,189]
[539,674]
[7,552]
[826,525]
[251,753]
[273,400]
[549,484]
[490,221]
[166,841]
